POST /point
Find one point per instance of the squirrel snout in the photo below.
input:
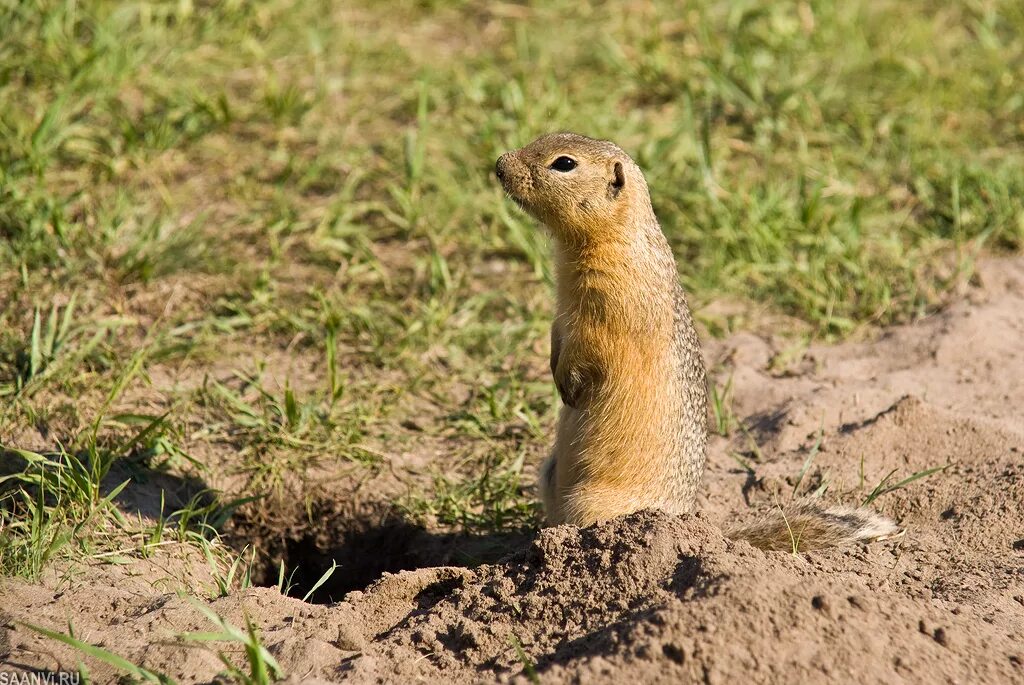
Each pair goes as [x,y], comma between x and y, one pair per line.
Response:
[501,166]
[513,175]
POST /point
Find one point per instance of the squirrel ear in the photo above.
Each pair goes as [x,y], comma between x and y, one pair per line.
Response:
[618,181]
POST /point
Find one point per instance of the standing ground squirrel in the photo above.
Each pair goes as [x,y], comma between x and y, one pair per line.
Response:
[625,356]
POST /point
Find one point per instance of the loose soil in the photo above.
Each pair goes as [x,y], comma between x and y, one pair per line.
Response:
[654,598]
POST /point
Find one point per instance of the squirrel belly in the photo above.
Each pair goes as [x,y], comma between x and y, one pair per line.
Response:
[625,356]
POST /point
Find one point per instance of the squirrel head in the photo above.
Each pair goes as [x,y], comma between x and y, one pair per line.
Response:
[582,189]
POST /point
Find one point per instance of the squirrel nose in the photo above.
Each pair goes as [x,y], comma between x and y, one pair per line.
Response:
[498,170]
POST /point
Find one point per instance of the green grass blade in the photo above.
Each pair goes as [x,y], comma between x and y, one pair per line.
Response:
[883,486]
[35,353]
[105,656]
[323,579]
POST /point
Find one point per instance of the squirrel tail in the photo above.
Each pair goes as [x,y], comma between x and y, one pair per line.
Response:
[808,525]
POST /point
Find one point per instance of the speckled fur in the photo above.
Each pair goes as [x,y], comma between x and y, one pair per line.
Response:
[625,355]
[632,433]
[808,526]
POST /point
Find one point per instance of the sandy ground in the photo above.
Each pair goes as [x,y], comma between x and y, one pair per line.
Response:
[655,598]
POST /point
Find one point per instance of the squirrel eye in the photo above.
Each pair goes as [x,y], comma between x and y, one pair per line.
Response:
[564,164]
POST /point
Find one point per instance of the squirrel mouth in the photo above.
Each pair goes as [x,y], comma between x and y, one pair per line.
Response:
[520,202]
[515,197]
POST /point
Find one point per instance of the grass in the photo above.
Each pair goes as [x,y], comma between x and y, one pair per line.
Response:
[721,407]
[63,506]
[58,503]
[134,671]
[267,233]
[885,485]
[490,499]
[529,667]
[262,666]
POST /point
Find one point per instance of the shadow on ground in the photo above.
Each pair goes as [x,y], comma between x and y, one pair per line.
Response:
[365,541]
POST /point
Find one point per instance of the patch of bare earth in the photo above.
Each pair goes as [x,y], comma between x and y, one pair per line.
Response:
[654,598]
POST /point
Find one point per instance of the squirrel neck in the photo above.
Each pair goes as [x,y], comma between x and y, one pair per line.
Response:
[622,276]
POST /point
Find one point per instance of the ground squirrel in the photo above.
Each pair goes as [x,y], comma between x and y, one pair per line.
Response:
[632,433]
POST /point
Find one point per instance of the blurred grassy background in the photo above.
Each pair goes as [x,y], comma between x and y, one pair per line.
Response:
[189,189]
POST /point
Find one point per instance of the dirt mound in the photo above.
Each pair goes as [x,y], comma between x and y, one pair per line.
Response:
[652,597]
[923,423]
[565,591]
[648,597]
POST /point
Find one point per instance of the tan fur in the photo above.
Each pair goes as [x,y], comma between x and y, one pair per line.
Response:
[625,356]
[806,526]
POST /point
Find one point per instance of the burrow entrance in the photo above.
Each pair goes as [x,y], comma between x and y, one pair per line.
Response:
[365,539]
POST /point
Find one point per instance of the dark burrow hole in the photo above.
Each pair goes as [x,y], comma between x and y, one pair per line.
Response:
[365,541]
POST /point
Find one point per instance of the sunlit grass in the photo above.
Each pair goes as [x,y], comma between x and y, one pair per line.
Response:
[312,180]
